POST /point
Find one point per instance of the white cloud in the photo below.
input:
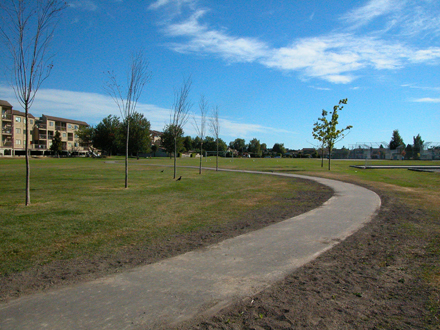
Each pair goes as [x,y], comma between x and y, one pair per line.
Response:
[335,57]
[428,100]
[373,9]
[86,5]
[93,107]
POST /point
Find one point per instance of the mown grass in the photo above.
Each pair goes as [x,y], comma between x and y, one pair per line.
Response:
[79,207]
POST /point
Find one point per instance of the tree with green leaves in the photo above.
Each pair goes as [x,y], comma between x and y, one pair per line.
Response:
[139,137]
[105,136]
[327,131]
[254,147]
[27,28]
[57,144]
[238,144]
[278,148]
[85,135]
[396,141]
[188,143]
[170,141]
[126,98]
[154,149]
[418,145]
[319,132]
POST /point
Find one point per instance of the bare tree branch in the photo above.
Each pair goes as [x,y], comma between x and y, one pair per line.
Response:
[203,106]
[27,28]
[214,124]
[126,98]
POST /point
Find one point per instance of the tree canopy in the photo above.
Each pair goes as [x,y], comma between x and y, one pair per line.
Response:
[396,140]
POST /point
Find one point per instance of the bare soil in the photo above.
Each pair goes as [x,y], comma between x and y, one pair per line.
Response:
[372,280]
[67,272]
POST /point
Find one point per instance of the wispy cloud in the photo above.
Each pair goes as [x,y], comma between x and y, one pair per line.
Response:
[86,5]
[373,9]
[335,57]
[93,107]
[428,100]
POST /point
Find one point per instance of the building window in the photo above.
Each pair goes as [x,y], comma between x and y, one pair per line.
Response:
[64,135]
[51,123]
[18,130]
[18,119]
[17,141]
[31,121]
[76,126]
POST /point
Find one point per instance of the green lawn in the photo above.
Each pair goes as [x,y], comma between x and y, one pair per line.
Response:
[79,207]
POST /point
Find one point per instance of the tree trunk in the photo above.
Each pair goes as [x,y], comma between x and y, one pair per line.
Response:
[175,155]
[201,155]
[126,154]
[322,156]
[216,158]
[28,169]
[329,158]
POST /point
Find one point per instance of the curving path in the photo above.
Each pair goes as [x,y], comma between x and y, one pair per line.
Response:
[202,281]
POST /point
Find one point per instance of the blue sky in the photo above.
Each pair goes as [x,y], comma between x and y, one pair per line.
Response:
[270,66]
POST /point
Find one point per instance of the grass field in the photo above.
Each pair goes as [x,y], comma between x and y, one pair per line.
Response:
[80,208]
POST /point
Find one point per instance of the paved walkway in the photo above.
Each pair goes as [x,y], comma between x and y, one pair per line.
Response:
[179,288]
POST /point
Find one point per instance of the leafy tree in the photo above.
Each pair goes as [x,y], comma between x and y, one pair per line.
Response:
[105,136]
[396,140]
[154,149]
[188,143]
[418,144]
[409,152]
[238,144]
[126,98]
[27,27]
[319,133]
[170,141]
[57,144]
[279,148]
[139,137]
[325,130]
[254,147]
[85,135]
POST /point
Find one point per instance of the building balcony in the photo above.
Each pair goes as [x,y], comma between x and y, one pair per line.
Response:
[39,146]
[7,131]
[42,126]
[7,117]
[42,136]
[7,143]
[61,128]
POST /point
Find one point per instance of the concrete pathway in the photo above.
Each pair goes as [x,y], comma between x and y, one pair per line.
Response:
[202,281]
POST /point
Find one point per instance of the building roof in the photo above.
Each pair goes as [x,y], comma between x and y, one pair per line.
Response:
[20,113]
[64,120]
[5,103]
[156,133]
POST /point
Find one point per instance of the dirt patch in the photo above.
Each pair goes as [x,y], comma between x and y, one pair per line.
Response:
[372,280]
[68,272]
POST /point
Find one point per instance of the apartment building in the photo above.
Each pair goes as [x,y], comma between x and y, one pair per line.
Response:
[40,133]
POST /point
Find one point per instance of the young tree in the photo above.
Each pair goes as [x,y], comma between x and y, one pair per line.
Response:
[200,129]
[215,129]
[326,129]
[57,144]
[396,140]
[126,98]
[319,131]
[179,115]
[27,28]
[279,148]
